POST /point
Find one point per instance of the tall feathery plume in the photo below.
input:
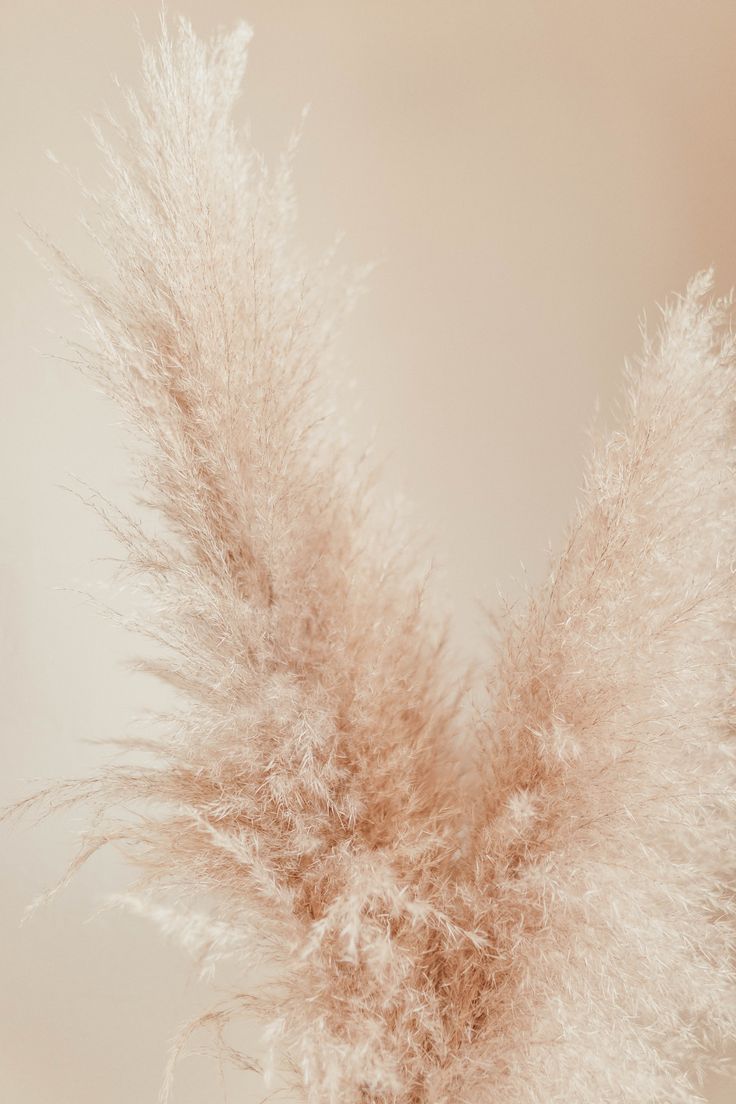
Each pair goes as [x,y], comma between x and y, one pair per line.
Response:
[558,928]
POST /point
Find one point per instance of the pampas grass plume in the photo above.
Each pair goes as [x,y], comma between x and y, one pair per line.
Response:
[555,924]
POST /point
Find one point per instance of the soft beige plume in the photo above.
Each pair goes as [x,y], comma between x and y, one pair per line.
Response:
[554,925]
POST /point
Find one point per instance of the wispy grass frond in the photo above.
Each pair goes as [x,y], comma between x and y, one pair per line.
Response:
[558,929]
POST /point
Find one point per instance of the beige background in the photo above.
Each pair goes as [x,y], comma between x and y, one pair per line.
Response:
[532,176]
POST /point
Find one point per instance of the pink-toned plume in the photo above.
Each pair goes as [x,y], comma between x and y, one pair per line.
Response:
[554,925]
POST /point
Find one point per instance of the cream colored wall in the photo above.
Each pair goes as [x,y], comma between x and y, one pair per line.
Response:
[531,175]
